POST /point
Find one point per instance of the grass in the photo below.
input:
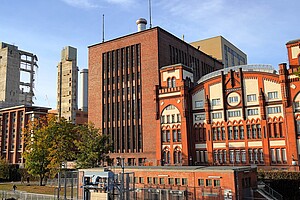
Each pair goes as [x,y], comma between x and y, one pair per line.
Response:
[35,189]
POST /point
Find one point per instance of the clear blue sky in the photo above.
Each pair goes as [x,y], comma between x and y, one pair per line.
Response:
[260,28]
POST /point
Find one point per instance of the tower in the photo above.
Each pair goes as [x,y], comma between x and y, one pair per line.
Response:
[17,69]
[67,84]
[83,94]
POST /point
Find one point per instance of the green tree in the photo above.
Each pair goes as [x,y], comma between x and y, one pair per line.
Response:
[48,143]
[4,168]
[93,147]
[36,149]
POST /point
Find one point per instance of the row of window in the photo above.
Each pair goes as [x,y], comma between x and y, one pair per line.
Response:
[166,136]
[177,181]
[171,82]
[239,156]
[166,156]
[250,112]
[167,119]
[250,98]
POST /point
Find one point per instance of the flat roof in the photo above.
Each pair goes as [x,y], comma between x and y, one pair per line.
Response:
[293,41]
[23,106]
[175,168]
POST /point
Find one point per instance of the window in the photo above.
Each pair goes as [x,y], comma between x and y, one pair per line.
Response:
[236,113]
[273,95]
[162,119]
[278,155]
[155,180]
[177,181]
[199,117]
[173,118]
[284,159]
[242,135]
[171,181]
[208,182]
[169,82]
[275,109]
[273,156]
[251,97]
[199,104]
[229,129]
[179,135]
[141,180]
[231,156]
[161,181]
[216,183]
[178,118]
[236,132]
[184,181]
[168,136]
[217,115]
[237,156]
[173,82]
[149,180]
[174,135]
[200,182]
[243,153]
[234,99]
[216,102]
[252,111]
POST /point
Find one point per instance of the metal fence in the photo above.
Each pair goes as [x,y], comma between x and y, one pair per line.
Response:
[24,195]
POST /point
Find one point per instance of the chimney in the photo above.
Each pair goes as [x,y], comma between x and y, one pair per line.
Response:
[141,23]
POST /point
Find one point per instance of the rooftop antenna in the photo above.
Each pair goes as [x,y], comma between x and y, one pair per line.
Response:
[150,14]
[103,28]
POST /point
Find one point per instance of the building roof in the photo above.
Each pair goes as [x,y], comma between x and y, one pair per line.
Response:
[249,68]
[293,41]
[35,108]
[176,168]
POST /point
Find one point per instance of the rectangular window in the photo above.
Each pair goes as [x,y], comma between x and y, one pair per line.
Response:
[231,156]
[278,155]
[200,182]
[142,180]
[251,97]
[162,121]
[184,181]
[252,111]
[171,181]
[177,181]
[284,159]
[149,180]
[161,181]
[173,118]
[273,155]
[155,180]
[273,95]
[199,104]
[233,99]
[216,102]
[275,109]
[217,115]
[199,117]
[236,113]
[178,118]
[243,153]
[168,119]
[230,135]
[208,182]
[216,183]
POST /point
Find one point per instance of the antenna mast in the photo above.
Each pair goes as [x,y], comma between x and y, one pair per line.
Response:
[150,14]
[103,28]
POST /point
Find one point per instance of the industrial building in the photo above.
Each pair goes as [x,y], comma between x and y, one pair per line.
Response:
[123,76]
[17,74]
[220,48]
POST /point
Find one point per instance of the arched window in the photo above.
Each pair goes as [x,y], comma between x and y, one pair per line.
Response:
[177,156]
[169,82]
[166,156]
[173,82]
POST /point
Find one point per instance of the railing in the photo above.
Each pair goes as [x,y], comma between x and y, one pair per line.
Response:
[269,191]
[24,195]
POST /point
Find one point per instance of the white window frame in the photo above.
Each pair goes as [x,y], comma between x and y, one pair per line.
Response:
[217,115]
[251,97]
[233,99]
[216,102]
[252,111]
[273,95]
[235,113]
[274,109]
[199,104]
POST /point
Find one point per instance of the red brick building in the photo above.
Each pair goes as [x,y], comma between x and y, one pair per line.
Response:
[123,76]
[12,122]
[191,182]
[243,115]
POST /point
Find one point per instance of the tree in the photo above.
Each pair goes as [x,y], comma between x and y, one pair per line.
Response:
[4,168]
[36,149]
[93,147]
[48,143]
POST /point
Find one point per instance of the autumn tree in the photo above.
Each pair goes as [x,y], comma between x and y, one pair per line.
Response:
[93,147]
[36,149]
[48,142]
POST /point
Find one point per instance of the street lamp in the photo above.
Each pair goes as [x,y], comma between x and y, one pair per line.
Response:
[120,162]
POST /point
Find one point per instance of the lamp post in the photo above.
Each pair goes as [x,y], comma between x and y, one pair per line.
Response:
[120,162]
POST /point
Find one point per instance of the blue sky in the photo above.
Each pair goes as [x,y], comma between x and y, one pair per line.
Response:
[260,28]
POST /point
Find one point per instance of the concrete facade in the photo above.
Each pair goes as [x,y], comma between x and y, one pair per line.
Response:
[221,49]
[17,70]
[67,84]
